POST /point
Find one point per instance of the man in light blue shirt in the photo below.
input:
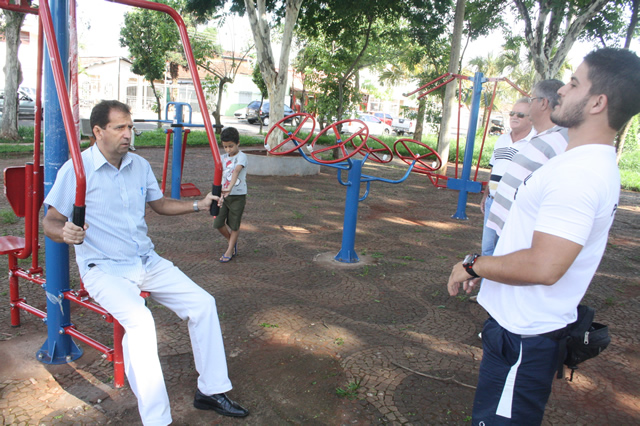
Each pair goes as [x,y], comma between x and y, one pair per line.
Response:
[117,261]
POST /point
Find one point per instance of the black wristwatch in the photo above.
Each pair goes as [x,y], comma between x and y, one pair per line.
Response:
[468,263]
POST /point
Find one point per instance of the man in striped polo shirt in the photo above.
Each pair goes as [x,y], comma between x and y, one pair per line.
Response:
[550,141]
[505,148]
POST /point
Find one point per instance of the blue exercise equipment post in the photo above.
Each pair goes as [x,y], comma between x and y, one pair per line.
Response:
[177,126]
[466,185]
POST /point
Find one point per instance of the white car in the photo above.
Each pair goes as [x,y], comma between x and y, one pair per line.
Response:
[241,114]
[376,126]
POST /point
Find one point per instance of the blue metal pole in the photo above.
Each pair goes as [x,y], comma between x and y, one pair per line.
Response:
[348,253]
[464,185]
[176,162]
[59,347]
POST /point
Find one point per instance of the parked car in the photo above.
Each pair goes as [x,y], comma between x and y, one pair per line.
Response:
[241,114]
[375,125]
[26,104]
[255,113]
[403,125]
[383,116]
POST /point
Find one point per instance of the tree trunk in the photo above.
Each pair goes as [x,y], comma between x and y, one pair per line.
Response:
[549,50]
[158,106]
[13,75]
[218,109]
[417,133]
[275,79]
[450,89]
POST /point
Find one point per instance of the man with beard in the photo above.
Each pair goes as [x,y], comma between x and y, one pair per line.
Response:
[552,242]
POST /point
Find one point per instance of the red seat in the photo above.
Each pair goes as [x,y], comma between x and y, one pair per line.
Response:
[11,244]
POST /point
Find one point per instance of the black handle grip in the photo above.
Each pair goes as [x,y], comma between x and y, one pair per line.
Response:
[139,120]
[215,209]
[78,216]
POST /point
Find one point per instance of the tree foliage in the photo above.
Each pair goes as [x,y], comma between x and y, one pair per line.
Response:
[343,37]
[149,36]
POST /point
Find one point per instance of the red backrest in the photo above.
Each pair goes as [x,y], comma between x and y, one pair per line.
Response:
[15,191]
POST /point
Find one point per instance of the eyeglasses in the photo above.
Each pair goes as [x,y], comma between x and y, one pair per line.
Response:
[517,114]
[533,99]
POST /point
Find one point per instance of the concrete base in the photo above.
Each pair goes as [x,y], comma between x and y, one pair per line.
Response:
[328,259]
[261,164]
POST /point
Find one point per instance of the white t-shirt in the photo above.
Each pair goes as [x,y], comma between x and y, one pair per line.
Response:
[503,152]
[228,166]
[573,196]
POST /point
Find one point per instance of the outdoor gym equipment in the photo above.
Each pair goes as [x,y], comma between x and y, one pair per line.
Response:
[360,144]
[464,184]
[178,189]
[26,189]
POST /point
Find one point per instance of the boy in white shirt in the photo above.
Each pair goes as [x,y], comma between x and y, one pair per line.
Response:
[234,191]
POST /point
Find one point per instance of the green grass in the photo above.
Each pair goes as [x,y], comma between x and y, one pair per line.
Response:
[196,138]
[8,217]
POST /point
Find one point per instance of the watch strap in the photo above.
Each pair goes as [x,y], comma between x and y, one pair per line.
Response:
[468,265]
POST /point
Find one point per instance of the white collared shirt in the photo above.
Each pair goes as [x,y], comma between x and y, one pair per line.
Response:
[116,240]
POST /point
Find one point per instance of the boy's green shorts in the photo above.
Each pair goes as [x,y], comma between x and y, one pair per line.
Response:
[231,212]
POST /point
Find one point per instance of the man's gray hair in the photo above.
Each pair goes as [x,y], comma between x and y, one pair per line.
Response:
[522,101]
[548,89]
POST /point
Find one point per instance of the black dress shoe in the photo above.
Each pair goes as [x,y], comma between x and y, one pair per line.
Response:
[219,403]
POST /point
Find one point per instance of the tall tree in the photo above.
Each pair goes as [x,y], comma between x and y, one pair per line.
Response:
[263,16]
[274,76]
[552,27]
[454,66]
[12,74]
[256,77]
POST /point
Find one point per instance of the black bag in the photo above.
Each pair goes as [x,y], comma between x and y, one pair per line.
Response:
[580,341]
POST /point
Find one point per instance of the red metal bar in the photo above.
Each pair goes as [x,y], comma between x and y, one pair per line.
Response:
[184,147]
[21,304]
[208,126]
[78,299]
[118,356]
[37,175]
[512,84]
[428,84]
[27,276]
[73,332]
[63,96]
[486,127]
[14,290]
[165,164]
[435,88]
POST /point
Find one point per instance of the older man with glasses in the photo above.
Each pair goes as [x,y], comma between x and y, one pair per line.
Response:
[505,148]
[549,141]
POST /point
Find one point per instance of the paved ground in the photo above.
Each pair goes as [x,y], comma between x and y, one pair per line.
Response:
[298,326]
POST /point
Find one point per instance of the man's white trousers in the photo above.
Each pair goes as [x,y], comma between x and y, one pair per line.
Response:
[173,289]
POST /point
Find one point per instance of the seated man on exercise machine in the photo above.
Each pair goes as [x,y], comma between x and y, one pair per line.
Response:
[117,261]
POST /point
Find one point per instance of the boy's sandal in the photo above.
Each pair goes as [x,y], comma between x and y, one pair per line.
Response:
[225,259]
[235,250]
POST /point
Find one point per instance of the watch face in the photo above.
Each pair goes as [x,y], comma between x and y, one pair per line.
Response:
[468,259]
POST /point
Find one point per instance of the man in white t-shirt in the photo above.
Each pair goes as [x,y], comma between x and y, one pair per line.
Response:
[505,148]
[551,244]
